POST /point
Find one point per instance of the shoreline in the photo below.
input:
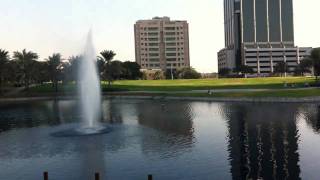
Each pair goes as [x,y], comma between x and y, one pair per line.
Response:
[168,97]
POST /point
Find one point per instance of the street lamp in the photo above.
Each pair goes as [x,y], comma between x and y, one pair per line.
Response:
[171,72]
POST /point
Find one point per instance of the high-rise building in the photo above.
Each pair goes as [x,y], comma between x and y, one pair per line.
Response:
[259,34]
[162,44]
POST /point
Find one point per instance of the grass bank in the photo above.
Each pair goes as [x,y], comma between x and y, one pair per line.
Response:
[274,85]
[193,84]
[204,84]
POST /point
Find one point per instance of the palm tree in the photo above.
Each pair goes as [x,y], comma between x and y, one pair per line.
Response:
[26,60]
[4,59]
[54,64]
[107,56]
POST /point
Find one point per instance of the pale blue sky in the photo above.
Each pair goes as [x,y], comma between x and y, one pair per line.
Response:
[48,26]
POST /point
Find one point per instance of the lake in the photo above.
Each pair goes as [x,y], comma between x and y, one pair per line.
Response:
[171,140]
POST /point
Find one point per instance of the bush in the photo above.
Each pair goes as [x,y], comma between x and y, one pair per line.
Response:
[158,75]
[188,73]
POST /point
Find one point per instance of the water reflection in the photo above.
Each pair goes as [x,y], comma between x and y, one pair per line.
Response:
[26,115]
[152,136]
[311,113]
[263,141]
[111,112]
[168,117]
[175,122]
[93,159]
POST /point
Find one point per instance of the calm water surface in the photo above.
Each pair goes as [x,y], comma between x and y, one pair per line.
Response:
[180,140]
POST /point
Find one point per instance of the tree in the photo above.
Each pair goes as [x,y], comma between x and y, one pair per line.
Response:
[40,72]
[131,70]
[171,74]
[4,59]
[281,68]
[304,67]
[244,69]
[12,74]
[224,72]
[116,70]
[54,68]
[26,60]
[71,68]
[188,73]
[158,75]
[315,57]
[101,67]
[107,56]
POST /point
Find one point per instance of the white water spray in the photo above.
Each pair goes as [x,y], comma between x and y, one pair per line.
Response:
[89,86]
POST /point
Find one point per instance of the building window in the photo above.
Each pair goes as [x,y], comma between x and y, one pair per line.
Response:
[274,20]
[248,20]
[154,60]
[170,39]
[171,49]
[287,20]
[171,54]
[169,28]
[171,59]
[170,33]
[153,44]
[171,44]
[153,54]
[153,39]
[153,49]
[261,20]
[153,28]
[153,34]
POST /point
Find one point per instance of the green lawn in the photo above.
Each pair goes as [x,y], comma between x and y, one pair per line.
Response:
[233,83]
[194,84]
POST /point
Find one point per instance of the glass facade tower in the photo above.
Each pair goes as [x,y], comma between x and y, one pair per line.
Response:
[259,34]
[262,21]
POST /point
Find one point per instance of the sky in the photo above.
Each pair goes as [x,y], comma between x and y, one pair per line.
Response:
[60,26]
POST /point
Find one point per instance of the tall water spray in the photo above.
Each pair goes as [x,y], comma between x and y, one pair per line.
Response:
[89,86]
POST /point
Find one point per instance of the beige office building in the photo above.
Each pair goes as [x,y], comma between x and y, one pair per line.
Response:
[162,44]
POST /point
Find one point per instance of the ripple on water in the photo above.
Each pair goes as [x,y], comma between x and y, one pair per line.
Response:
[82,131]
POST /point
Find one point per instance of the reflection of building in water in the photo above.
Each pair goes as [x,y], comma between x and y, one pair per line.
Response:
[263,141]
[311,113]
[170,117]
[174,122]
[111,112]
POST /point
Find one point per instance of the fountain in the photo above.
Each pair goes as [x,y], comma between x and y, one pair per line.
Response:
[89,86]
[89,95]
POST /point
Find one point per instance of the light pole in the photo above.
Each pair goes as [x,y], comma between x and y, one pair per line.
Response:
[171,72]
